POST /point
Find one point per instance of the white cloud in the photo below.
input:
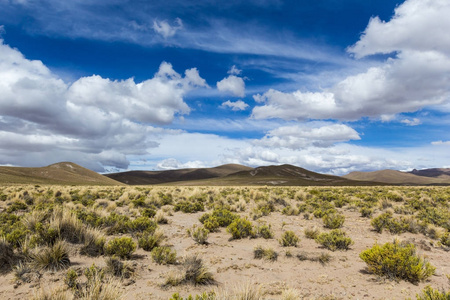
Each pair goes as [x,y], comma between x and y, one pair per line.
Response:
[165,29]
[411,122]
[235,106]
[441,143]
[172,164]
[306,135]
[417,77]
[418,25]
[232,85]
[94,118]
[234,71]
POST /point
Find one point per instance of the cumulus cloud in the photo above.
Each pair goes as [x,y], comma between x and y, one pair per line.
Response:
[415,78]
[165,29]
[232,85]
[94,118]
[235,106]
[172,164]
[306,135]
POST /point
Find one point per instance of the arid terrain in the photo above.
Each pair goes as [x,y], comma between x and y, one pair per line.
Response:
[84,221]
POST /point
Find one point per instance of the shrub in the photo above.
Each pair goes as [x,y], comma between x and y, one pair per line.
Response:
[381,222]
[199,234]
[6,255]
[445,239]
[334,240]
[142,224]
[196,272]
[148,212]
[428,293]
[311,233]
[289,239]
[220,217]
[52,258]
[366,212]
[397,261]
[268,254]
[71,279]
[333,221]
[148,241]
[118,268]
[189,207]
[94,243]
[241,228]
[122,247]
[265,231]
[164,255]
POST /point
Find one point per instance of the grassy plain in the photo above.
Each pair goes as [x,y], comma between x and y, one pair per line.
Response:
[151,242]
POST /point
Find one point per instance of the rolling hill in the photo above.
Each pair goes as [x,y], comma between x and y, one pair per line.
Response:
[284,175]
[180,175]
[398,177]
[65,173]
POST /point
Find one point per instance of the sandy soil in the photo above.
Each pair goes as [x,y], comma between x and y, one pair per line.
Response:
[232,264]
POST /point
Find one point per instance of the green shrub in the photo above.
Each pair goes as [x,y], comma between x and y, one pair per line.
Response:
[142,224]
[334,240]
[220,217]
[289,239]
[428,293]
[333,221]
[199,234]
[397,261]
[203,296]
[290,211]
[265,231]
[148,241]
[122,247]
[366,212]
[381,222]
[189,207]
[71,279]
[164,255]
[445,239]
[148,212]
[241,228]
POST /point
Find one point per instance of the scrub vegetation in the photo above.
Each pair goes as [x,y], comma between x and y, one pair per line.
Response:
[101,241]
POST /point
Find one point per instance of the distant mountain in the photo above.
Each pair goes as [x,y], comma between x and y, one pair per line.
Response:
[181,175]
[435,172]
[286,175]
[397,177]
[65,173]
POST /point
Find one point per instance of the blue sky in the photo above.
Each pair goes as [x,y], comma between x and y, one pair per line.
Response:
[333,86]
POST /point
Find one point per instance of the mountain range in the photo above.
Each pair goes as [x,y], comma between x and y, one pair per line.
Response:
[67,173]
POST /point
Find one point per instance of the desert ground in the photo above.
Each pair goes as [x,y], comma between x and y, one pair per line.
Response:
[85,220]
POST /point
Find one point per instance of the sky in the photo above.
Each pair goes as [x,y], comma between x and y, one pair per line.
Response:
[333,86]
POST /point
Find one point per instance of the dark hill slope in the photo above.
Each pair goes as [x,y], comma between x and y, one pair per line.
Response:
[66,173]
[284,175]
[181,175]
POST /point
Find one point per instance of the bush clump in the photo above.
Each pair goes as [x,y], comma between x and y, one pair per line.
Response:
[220,217]
[334,240]
[267,253]
[289,239]
[199,234]
[52,258]
[189,207]
[241,228]
[333,221]
[122,247]
[265,231]
[164,255]
[148,241]
[428,293]
[397,261]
